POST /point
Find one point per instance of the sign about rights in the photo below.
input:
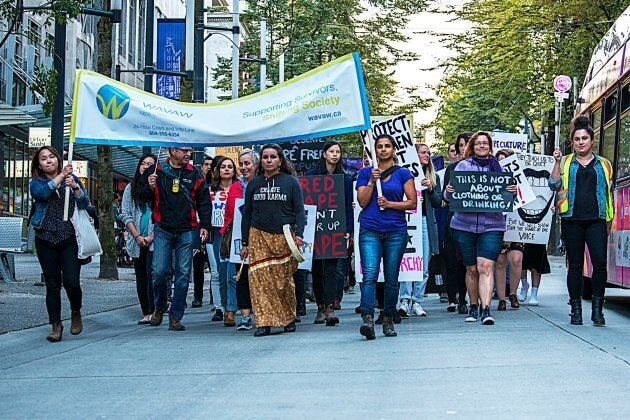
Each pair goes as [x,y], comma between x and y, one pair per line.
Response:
[481,191]
[531,223]
[512,141]
[303,154]
[309,235]
[327,193]
[219,200]
[524,192]
[412,264]
[400,128]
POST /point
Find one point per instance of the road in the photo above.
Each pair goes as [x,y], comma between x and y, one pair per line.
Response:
[531,364]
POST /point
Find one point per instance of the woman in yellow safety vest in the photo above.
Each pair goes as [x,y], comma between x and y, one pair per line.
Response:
[583,182]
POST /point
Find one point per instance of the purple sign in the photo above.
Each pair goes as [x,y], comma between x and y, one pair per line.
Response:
[171,41]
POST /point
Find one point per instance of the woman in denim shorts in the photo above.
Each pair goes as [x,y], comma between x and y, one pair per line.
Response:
[479,235]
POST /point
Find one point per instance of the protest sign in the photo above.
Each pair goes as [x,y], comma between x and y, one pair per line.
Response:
[512,141]
[524,192]
[400,128]
[532,222]
[309,235]
[327,192]
[412,264]
[303,154]
[325,101]
[219,200]
[481,191]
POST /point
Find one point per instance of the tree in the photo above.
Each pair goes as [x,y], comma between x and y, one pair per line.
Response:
[314,32]
[505,65]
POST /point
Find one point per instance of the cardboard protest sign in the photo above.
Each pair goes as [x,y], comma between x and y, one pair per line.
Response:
[309,235]
[532,222]
[327,193]
[513,141]
[303,154]
[400,128]
[481,191]
[412,264]
[219,200]
[524,193]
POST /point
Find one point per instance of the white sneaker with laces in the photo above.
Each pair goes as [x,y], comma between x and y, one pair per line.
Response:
[533,301]
[403,309]
[522,294]
[416,310]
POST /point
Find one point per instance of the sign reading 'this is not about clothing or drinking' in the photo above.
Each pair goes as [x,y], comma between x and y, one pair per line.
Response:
[481,191]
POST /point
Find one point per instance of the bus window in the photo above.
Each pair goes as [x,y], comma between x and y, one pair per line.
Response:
[610,108]
[596,119]
[625,97]
[623,164]
[608,150]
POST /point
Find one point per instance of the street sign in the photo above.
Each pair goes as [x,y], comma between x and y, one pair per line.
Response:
[561,95]
[39,136]
[562,83]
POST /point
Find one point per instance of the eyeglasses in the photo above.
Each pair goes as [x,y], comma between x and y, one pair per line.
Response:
[184,151]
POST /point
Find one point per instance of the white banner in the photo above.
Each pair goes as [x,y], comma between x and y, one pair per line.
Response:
[309,235]
[412,264]
[525,193]
[325,101]
[400,128]
[513,141]
[532,222]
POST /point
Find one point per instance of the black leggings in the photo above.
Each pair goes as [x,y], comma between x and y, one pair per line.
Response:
[325,281]
[144,282]
[455,273]
[575,234]
[60,265]
[243,297]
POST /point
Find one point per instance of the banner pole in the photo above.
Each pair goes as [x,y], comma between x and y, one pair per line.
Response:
[66,205]
[379,190]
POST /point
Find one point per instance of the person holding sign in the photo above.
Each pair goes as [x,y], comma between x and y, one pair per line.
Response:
[247,164]
[383,231]
[479,235]
[223,178]
[583,181]
[412,293]
[325,270]
[55,239]
[273,199]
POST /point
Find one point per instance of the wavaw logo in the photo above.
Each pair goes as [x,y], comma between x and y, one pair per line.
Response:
[112,102]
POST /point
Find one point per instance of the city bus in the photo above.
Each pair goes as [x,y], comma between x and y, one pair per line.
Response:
[605,98]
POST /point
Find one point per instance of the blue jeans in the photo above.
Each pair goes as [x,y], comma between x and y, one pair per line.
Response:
[169,245]
[472,245]
[228,294]
[374,246]
[417,295]
[232,304]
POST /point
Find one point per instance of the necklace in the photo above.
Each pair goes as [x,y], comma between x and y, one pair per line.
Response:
[584,161]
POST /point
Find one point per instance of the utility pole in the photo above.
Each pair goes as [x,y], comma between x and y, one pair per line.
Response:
[263,54]
[198,94]
[149,23]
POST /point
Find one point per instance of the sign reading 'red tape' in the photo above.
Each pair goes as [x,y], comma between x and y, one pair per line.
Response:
[327,193]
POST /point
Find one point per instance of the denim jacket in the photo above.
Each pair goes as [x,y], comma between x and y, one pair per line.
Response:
[41,190]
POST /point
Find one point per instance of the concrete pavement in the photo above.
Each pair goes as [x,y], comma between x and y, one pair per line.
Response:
[531,364]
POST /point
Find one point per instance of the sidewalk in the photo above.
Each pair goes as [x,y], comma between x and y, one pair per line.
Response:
[531,364]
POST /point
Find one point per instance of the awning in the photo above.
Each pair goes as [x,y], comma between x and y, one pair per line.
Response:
[10,116]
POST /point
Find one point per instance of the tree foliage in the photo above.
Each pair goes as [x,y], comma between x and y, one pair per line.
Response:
[506,63]
[313,32]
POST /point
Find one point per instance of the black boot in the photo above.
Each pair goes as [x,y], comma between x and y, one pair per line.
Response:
[596,312]
[388,327]
[367,328]
[576,311]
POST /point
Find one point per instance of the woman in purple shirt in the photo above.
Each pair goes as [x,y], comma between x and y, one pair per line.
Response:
[479,235]
[383,231]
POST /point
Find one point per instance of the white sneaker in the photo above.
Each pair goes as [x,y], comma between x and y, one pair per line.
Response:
[416,310]
[403,310]
[533,301]
[522,294]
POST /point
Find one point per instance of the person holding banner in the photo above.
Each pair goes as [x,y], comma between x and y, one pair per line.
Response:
[479,235]
[583,181]
[222,180]
[136,215]
[383,231]
[273,199]
[55,239]
[180,204]
[247,164]
[325,270]
[412,293]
